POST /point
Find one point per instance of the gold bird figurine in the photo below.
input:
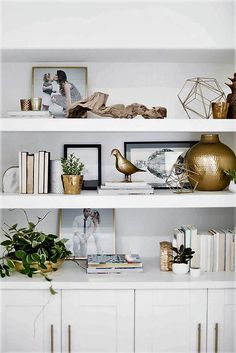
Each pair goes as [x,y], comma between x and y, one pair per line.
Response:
[124,166]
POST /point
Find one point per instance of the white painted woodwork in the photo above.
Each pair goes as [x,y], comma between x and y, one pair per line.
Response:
[166,321]
[117,125]
[100,321]
[222,311]
[26,319]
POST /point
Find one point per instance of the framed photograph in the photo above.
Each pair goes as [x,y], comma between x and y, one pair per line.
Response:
[58,87]
[88,230]
[90,155]
[157,158]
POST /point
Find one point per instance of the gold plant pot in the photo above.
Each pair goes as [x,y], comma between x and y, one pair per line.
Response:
[72,184]
[220,110]
[51,266]
[209,158]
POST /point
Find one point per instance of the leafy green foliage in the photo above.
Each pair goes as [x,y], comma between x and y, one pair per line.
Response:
[32,247]
[184,255]
[72,165]
[231,174]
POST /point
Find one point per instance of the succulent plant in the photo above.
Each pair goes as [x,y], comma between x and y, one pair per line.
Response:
[72,165]
[184,255]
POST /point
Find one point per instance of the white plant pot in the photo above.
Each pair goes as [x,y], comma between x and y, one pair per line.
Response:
[180,269]
[232,186]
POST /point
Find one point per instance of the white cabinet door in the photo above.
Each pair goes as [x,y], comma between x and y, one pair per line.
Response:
[97,321]
[30,321]
[221,321]
[170,321]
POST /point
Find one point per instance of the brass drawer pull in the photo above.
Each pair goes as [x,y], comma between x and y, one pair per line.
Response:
[199,335]
[52,338]
[69,338]
[216,337]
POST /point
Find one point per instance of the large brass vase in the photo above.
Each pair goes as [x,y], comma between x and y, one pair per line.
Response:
[210,158]
[72,184]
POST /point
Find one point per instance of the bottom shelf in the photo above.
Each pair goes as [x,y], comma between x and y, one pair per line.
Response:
[161,199]
[71,276]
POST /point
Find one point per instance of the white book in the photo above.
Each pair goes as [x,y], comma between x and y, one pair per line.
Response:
[195,245]
[125,185]
[125,191]
[36,173]
[46,171]
[23,172]
[228,249]
[203,251]
[113,270]
[41,172]
[187,236]
[179,237]
[221,250]
[216,242]
[210,252]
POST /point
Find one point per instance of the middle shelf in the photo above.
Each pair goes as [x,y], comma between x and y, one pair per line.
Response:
[161,199]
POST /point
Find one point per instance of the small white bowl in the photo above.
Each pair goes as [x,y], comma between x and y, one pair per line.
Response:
[195,271]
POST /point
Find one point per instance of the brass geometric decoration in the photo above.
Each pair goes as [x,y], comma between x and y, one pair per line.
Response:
[179,178]
[197,95]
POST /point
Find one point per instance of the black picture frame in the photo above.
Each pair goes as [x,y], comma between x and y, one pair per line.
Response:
[88,183]
[149,150]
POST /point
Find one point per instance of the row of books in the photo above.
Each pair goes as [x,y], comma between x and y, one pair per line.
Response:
[125,188]
[215,249]
[34,172]
[115,263]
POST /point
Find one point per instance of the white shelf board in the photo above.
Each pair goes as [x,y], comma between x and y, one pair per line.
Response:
[119,55]
[161,199]
[118,125]
[71,276]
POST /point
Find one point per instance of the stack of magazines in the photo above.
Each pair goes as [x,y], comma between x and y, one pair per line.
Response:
[123,188]
[114,263]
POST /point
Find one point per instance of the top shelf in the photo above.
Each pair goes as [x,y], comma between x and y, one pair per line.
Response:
[117,125]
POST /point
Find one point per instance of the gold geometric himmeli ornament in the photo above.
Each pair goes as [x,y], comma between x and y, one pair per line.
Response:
[197,95]
[181,179]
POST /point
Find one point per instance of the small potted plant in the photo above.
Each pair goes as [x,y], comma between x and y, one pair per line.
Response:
[180,261]
[30,251]
[231,174]
[72,179]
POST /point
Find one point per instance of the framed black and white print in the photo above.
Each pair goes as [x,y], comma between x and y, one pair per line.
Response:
[59,87]
[88,231]
[157,158]
[90,155]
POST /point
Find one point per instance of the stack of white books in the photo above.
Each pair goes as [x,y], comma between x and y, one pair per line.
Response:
[115,263]
[215,249]
[34,172]
[30,114]
[125,188]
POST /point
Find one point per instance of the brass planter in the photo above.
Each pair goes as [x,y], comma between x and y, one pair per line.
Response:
[51,266]
[210,158]
[72,184]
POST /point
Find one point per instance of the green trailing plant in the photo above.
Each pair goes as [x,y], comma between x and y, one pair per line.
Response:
[72,165]
[32,247]
[183,255]
[231,174]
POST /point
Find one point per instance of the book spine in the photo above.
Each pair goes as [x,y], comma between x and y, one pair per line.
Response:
[36,173]
[41,172]
[46,172]
[23,172]
[30,174]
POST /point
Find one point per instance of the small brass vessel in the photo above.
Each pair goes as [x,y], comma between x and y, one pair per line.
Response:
[220,110]
[51,266]
[72,184]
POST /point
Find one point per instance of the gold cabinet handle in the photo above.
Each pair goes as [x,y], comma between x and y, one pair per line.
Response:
[216,337]
[69,338]
[52,338]
[199,337]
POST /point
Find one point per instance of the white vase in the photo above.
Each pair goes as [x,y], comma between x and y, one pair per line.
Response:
[232,186]
[180,269]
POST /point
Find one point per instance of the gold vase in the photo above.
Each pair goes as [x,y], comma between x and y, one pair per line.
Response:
[210,158]
[72,184]
[51,266]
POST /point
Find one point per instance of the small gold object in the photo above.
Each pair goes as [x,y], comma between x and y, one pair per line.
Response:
[72,184]
[182,180]
[25,105]
[166,256]
[124,166]
[36,103]
[220,110]
[51,266]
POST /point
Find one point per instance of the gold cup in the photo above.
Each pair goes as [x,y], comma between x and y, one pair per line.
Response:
[36,103]
[25,105]
[220,110]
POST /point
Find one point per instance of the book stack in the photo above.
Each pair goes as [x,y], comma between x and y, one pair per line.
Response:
[123,188]
[34,172]
[215,249]
[30,114]
[114,263]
